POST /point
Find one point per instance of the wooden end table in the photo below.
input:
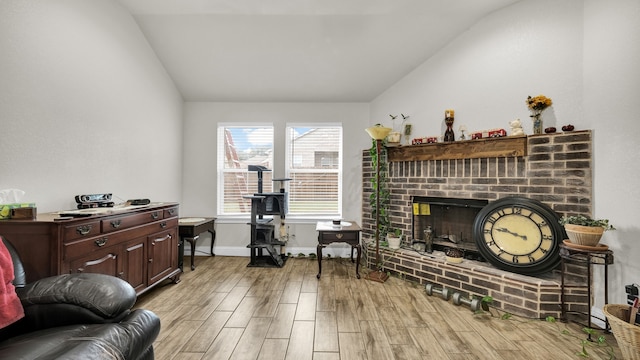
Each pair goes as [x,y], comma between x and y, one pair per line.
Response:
[190,230]
[348,232]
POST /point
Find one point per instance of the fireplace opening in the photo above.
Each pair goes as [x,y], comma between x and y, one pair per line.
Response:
[443,223]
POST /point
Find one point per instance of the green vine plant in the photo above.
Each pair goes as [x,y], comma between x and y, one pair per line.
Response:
[586,345]
[382,183]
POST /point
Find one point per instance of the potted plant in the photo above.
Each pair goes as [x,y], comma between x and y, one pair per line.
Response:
[394,137]
[583,230]
[394,239]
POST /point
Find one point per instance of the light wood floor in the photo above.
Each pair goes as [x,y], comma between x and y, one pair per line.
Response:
[225,310]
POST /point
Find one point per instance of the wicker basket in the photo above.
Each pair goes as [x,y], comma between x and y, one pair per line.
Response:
[627,335]
[584,235]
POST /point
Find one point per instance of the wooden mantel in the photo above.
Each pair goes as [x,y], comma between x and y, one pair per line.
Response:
[507,146]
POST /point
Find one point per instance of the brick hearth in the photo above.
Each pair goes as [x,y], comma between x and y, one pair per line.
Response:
[557,171]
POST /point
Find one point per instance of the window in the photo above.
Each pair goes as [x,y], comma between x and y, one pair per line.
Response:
[239,147]
[314,165]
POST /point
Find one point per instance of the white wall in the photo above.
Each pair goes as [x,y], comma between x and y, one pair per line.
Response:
[200,154]
[610,98]
[85,105]
[486,74]
[584,56]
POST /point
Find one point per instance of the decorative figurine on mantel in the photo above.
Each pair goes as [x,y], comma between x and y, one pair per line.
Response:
[393,139]
[463,129]
[449,135]
[516,127]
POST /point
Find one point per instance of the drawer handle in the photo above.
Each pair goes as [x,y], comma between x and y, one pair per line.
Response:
[172,211]
[163,224]
[97,262]
[116,223]
[339,235]
[84,229]
[154,215]
[101,242]
[167,237]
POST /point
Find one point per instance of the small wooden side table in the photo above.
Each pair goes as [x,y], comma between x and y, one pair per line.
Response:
[348,232]
[587,258]
[190,230]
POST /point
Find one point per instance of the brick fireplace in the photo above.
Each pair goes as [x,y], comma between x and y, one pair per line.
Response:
[555,169]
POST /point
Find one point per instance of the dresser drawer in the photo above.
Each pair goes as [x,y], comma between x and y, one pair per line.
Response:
[171,212]
[165,224]
[128,221]
[327,237]
[81,230]
[83,247]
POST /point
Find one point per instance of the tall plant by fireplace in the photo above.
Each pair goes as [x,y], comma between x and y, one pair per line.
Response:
[379,199]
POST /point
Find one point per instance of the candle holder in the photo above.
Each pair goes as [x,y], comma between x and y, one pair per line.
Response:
[449,135]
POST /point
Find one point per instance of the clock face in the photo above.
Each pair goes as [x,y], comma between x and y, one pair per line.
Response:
[519,234]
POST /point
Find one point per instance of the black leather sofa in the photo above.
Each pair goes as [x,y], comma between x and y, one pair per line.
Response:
[77,316]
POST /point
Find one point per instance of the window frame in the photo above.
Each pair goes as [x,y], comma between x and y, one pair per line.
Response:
[289,158]
[221,170]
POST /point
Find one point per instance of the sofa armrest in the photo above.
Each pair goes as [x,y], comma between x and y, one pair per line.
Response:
[147,324]
[76,299]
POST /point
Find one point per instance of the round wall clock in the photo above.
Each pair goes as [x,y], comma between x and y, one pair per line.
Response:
[519,234]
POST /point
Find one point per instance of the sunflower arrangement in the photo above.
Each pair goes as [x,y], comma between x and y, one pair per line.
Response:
[537,104]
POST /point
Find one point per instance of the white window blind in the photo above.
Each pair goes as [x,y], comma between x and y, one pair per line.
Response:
[314,165]
[238,147]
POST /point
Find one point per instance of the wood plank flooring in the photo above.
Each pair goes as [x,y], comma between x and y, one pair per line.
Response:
[226,310]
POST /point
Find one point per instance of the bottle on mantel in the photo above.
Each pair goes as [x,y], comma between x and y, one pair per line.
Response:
[428,238]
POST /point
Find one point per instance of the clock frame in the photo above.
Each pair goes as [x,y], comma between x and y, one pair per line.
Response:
[519,234]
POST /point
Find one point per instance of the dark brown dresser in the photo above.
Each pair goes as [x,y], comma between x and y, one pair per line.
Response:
[136,243]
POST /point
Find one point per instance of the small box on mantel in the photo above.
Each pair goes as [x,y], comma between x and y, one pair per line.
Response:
[7,211]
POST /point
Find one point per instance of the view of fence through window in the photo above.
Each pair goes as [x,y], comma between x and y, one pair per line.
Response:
[313,163]
[314,157]
[243,146]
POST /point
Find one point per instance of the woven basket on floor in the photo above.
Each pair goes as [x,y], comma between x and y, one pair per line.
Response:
[584,235]
[627,335]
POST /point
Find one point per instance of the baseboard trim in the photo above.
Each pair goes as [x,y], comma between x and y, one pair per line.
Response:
[339,250]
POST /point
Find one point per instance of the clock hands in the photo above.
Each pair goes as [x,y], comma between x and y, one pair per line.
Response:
[524,237]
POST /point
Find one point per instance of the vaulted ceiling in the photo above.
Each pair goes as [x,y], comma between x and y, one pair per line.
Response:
[299,50]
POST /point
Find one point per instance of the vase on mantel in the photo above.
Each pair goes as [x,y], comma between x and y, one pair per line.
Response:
[537,124]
